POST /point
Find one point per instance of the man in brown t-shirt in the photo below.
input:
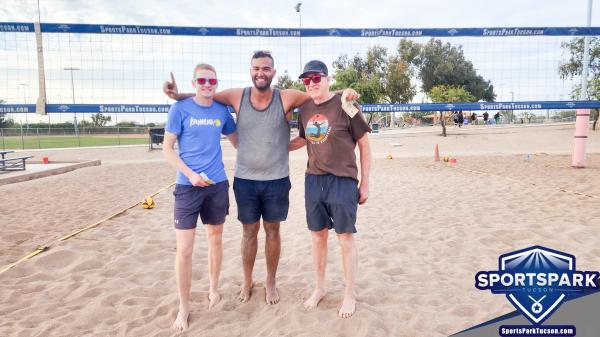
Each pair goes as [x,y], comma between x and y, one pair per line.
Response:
[332,192]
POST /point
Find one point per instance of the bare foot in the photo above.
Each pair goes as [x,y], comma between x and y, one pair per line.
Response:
[314,299]
[213,298]
[348,306]
[181,321]
[245,292]
[271,294]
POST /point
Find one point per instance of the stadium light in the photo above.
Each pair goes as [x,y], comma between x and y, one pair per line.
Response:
[297,7]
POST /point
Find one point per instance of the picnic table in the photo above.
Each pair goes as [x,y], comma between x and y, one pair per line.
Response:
[5,152]
[12,163]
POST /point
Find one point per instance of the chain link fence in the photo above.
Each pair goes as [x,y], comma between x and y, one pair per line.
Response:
[43,138]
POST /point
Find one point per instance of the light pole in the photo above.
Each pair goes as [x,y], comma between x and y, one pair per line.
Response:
[23,85]
[71,69]
[39,13]
[512,112]
[297,7]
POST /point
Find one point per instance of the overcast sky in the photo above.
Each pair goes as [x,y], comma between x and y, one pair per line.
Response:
[280,13]
[318,14]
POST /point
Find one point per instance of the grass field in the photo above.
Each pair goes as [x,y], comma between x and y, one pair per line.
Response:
[45,142]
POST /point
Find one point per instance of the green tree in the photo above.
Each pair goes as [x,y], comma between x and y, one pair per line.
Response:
[356,62]
[5,122]
[100,120]
[447,93]
[345,77]
[397,87]
[376,62]
[409,50]
[285,82]
[127,124]
[529,116]
[85,124]
[377,77]
[445,64]
[368,89]
[574,68]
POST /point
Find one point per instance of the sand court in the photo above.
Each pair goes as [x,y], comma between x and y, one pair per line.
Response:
[425,232]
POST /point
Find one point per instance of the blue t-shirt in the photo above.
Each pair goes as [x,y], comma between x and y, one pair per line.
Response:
[198,129]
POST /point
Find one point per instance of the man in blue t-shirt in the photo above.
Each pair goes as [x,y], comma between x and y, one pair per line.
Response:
[196,124]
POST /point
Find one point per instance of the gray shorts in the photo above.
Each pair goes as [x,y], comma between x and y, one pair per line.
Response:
[331,202]
[211,203]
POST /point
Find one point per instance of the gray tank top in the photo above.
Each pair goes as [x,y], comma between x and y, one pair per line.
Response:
[263,138]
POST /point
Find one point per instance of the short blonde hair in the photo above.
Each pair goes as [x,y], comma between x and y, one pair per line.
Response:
[204,66]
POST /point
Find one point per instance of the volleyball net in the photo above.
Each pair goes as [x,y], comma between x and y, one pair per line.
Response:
[119,69]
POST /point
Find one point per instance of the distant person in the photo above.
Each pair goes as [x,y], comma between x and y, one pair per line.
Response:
[461,118]
[455,118]
[497,117]
[486,115]
[473,118]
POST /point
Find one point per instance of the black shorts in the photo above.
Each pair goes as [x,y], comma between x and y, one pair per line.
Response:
[331,202]
[211,203]
[269,199]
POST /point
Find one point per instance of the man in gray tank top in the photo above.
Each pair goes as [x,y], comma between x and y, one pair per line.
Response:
[261,182]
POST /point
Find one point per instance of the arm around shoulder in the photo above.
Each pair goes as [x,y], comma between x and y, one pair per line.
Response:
[230,97]
[296,143]
[294,98]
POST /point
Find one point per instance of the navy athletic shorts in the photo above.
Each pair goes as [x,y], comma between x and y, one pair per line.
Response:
[269,199]
[331,202]
[211,203]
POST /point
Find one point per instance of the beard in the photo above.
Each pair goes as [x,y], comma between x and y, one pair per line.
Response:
[262,87]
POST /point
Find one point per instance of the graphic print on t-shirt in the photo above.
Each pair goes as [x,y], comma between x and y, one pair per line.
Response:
[317,129]
[205,121]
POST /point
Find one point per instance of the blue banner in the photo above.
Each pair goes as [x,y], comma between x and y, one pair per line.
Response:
[367,108]
[531,105]
[295,32]
[102,108]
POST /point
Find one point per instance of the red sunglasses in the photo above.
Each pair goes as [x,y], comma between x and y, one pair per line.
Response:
[315,78]
[203,80]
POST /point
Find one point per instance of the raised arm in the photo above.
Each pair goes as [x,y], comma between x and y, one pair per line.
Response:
[229,97]
[170,89]
[365,167]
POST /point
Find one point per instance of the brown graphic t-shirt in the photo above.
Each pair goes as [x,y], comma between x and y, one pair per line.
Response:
[331,137]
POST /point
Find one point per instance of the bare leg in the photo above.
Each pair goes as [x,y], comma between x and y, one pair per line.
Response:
[249,249]
[272,252]
[349,256]
[183,274]
[319,253]
[215,256]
